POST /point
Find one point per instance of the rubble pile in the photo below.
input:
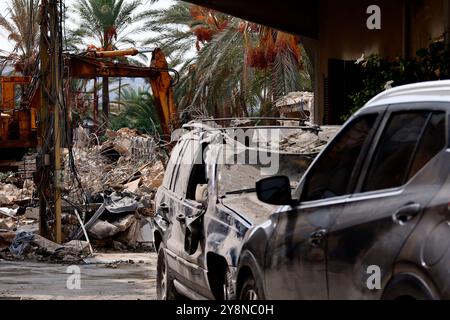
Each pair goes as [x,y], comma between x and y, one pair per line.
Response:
[11,194]
[308,142]
[19,238]
[119,178]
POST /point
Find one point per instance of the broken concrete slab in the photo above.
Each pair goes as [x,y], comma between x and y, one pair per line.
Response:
[76,248]
[132,186]
[6,238]
[8,212]
[146,232]
[7,223]
[131,236]
[125,222]
[102,229]
[45,244]
[32,213]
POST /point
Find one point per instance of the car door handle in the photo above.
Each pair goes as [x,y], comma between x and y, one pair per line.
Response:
[181,218]
[316,238]
[405,214]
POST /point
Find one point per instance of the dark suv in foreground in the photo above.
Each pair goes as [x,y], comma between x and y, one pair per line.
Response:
[370,218]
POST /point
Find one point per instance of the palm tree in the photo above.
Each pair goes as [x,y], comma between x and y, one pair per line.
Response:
[22,29]
[107,22]
[240,68]
[139,111]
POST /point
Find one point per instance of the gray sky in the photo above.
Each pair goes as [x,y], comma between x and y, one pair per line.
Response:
[6,45]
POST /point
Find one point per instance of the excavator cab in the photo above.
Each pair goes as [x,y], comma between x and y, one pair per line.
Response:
[18,125]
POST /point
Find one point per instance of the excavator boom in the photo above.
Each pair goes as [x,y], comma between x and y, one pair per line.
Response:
[18,125]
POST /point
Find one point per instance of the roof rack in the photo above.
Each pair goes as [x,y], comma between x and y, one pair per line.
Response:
[250,119]
[241,123]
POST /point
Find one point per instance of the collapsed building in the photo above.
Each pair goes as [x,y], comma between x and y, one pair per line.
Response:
[108,205]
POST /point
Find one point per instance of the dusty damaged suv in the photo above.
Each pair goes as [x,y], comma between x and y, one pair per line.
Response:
[370,218]
[207,204]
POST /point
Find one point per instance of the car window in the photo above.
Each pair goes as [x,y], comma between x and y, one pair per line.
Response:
[332,172]
[172,164]
[189,157]
[432,142]
[198,173]
[395,150]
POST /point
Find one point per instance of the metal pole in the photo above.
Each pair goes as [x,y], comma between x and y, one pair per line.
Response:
[95,106]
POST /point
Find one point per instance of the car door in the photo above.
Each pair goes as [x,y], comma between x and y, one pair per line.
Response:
[187,223]
[296,252]
[389,197]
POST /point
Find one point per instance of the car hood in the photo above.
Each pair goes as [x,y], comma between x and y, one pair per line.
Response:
[248,206]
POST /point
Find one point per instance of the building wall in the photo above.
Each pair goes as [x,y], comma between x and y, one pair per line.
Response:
[343,33]
[426,23]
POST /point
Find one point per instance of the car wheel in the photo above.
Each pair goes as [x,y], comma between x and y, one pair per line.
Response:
[164,279]
[406,291]
[228,289]
[250,290]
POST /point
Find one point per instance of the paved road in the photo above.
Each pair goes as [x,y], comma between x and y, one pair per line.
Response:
[104,277]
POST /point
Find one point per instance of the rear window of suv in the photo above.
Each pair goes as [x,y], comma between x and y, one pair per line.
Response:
[409,141]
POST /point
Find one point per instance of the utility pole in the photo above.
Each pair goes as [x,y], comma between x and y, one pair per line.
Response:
[49,164]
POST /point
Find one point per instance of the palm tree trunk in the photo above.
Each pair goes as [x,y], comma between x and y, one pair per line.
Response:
[105,101]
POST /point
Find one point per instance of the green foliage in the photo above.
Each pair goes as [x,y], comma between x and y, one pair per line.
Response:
[218,80]
[106,21]
[138,112]
[432,63]
[21,26]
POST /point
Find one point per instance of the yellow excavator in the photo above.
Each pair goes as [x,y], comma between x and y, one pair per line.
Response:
[20,118]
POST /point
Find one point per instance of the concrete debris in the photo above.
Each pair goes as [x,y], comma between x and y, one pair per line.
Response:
[11,194]
[131,236]
[77,247]
[7,224]
[116,163]
[121,203]
[119,176]
[125,222]
[307,142]
[146,235]
[32,213]
[133,186]
[24,243]
[8,212]
[46,246]
[102,229]
[6,239]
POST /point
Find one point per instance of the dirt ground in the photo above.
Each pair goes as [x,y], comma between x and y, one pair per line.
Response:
[117,276]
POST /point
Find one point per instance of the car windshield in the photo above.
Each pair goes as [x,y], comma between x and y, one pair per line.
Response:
[241,177]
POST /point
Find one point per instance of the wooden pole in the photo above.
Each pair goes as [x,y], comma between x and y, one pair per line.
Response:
[50,145]
[57,92]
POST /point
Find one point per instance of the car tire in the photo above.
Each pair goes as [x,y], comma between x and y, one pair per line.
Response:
[228,289]
[406,291]
[165,289]
[251,290]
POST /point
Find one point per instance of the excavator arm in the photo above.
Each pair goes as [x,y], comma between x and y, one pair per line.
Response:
[94,64]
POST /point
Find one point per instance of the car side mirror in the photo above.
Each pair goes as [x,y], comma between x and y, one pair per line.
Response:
[275,190]
[201,194]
